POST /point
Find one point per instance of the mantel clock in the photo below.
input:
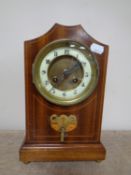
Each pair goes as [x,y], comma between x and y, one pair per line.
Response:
[65,72]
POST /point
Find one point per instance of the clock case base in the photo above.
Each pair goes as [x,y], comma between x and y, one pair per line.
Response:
[62,152]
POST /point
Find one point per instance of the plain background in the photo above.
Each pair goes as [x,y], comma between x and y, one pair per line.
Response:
[108,21]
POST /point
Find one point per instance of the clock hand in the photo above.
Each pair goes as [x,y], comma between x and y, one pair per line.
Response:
[67,73]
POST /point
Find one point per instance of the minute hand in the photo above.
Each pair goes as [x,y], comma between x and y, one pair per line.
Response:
[71,70]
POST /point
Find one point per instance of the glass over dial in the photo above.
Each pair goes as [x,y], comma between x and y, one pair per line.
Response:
[65,72]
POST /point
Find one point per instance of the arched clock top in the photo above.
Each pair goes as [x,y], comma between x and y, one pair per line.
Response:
[59,31]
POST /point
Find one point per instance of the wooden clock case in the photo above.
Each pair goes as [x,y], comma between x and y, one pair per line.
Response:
[42,143]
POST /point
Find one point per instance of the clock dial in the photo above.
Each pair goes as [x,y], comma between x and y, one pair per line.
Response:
[65,72]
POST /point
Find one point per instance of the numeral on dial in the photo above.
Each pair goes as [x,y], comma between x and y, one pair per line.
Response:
[84,63]
[66,52]
[47,61]
[43,71]
[77,56]
[52,90]
[86,74]
[83,85]
[55,53]
[64,94]
[46,82]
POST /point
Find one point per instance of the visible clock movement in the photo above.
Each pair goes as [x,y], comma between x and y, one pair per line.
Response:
[65,72]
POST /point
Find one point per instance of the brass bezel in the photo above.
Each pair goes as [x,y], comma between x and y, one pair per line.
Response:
[58,100]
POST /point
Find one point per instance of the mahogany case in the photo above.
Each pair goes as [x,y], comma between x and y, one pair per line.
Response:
[42,143]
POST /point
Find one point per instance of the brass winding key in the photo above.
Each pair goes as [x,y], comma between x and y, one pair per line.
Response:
[62,134]
[63,123]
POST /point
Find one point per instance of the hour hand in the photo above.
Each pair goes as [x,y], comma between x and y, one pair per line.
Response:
[67,72]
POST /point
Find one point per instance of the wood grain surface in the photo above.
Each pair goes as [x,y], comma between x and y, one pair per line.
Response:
[39,110]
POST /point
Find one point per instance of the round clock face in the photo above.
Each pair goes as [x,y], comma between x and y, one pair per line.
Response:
[65,72]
